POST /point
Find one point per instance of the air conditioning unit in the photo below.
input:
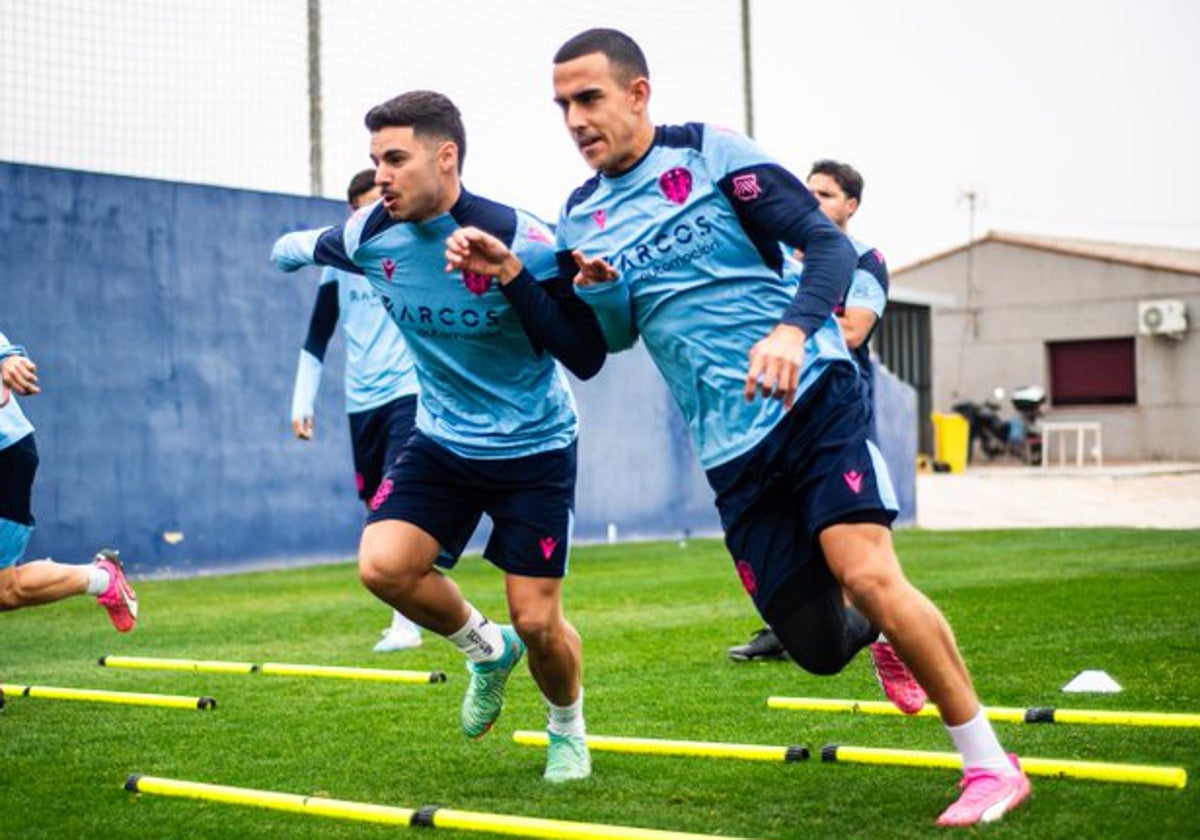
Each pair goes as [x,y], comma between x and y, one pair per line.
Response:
[1162,317]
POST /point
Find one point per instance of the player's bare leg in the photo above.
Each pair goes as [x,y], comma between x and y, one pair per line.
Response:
[40,582]
[556,663]
[863,560]
[396,563]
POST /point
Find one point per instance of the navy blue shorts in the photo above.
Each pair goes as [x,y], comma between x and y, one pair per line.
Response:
[817,468]
[18,465]
[530,500]
[377,435]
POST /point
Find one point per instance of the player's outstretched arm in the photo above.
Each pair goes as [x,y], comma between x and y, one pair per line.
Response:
[553,317]
[477,251]
[775,363]
[599,286]
[321,327]
[295,250]
[18,372]
[592,270]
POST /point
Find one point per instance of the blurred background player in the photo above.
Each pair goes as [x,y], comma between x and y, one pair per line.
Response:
[42,581]
[381,385]
[838,188]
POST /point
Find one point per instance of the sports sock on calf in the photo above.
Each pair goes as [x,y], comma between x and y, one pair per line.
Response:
[98,579]
[976,741]
[479,638]
[567,720]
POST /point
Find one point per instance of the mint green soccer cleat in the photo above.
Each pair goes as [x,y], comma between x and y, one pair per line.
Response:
[567,758]
[485,693]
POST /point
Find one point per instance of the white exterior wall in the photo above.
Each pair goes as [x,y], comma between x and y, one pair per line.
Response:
[1020,298]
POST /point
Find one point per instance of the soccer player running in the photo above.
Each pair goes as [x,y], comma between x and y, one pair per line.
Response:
[42,581]
[838,188]
[380,383]
[496,421]
[676,240]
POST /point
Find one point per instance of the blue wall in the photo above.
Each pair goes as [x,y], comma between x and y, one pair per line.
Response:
[166,346]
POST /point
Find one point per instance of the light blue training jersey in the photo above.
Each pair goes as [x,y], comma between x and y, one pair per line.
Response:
[869,285]
[378,366]
[13,423]
[485,391]
[693,230]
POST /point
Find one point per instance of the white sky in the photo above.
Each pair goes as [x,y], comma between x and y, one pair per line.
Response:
[1067,117]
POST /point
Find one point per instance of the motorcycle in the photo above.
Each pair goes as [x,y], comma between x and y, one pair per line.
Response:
[1019,437]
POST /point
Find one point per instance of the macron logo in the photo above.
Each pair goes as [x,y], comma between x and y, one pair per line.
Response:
[600,218]
[389,267]
[854,480]
[547,545]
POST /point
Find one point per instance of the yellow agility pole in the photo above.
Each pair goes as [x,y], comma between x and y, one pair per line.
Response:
[1094,771]
[127,698]
[1137,774]
[154,663]
[278,669]
[690,749]
[1001,714]
[283,669]
[432,816]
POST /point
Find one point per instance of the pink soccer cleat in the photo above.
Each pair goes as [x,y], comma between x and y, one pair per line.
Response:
[119,599]
[898,683]
[987,796]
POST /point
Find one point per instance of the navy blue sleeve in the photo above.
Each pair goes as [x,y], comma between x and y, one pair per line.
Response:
[556,320]
[567,266]
[323,322]
[773,207]
[330,250]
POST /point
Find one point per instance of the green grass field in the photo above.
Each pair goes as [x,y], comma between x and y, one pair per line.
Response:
[1030,608]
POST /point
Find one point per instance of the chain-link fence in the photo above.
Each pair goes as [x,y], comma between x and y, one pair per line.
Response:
[218,91]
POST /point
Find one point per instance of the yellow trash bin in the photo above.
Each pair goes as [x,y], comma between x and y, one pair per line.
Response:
[951,437]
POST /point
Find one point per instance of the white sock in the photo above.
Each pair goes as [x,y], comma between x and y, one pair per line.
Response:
[403,625]
[567,720]
[98,579]
[976,742]
[479,638]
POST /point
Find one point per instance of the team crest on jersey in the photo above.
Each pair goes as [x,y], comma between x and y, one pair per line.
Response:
[389,267]
[746,187]
[476,284]
[600,218]
[676,184]
[535,234]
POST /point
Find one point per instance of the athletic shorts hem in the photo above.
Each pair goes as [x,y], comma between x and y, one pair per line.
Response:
[857,516]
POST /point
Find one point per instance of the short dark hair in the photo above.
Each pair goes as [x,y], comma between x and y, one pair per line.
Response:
[360,184]
[427,113]
[847,177]
[620,50]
